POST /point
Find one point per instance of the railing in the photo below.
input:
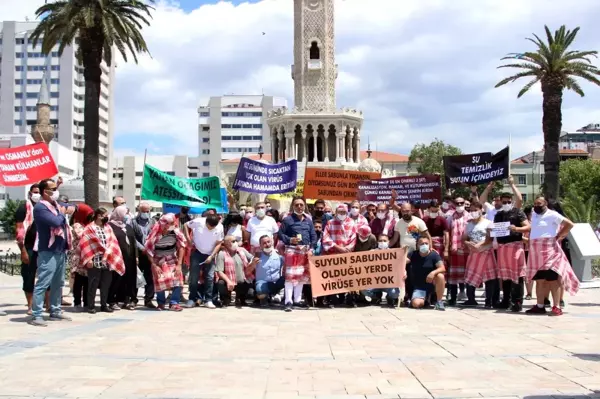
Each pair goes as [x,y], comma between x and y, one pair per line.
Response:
[10,263]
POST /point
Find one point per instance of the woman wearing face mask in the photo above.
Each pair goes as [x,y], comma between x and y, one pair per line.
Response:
[233,226]
[83,216]
[459,252]
[373,296]
[100,254]
[481,264]
[124,289]
[165,248]
[355,215]
[384,222]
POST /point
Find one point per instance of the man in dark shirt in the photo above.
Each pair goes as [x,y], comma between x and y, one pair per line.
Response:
[438,228]
[26,232]
[511,254]
[384,223]
[427,274]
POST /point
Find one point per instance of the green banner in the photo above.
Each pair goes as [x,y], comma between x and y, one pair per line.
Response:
[162,187]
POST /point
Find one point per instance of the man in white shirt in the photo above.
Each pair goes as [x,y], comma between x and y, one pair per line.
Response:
[207,236]
[260,225]
[548,264]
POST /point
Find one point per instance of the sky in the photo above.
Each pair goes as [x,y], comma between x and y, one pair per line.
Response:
[418,69]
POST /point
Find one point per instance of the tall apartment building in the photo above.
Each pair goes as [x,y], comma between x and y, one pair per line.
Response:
[129,170]
[22,70]
[232,125]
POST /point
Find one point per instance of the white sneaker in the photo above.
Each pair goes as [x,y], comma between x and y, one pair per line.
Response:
[276,298]
[209,305]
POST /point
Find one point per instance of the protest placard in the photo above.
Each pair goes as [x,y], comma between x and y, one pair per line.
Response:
[333,184]
[27,164]
[334,274]
[257,177]
[500,229]
[421,188]
[197,208]
[162,187]
[474,169]
[298,192]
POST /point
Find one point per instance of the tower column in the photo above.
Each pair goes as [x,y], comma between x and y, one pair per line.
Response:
[315,156]
[341,145]
[357,156]
[290,146]
[304,146]
[326,157]
[281,148]
[350,147]
[274,147]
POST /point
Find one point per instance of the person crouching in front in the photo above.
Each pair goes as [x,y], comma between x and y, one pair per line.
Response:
[234,266]
[374,295]
[269,278]
[427,275]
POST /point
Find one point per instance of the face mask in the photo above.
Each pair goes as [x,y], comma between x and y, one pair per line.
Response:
[127,218]
[381,215]
[341,218]
[171,228]
[328,214]
[249,215]
[445,206]
[234,246]
[261,213]
[363,239]
[475,215]
[144,215]
[407,217]
[318,213]
[55,195]
[433,215]
[242,213]
[460,209]
[184,211]
[506,207]
[354,211]
[268,250]
[383,245]
[424,248]
[539,209]
[298,212]
[104,220]
[35,197]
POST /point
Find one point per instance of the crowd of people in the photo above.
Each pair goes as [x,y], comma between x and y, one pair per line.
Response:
[259,256]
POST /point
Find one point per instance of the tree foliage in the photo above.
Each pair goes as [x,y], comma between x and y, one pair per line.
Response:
[580,210]
[556,67]
[581,177]
[7,216]
[99,26]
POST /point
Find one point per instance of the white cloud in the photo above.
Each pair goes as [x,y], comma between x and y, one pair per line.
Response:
[419,69]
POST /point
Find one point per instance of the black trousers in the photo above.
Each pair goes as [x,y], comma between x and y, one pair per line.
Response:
[80,290]
[241,292]
[102,277]
[146,268]
[127,289]
[115,286]
[513,292]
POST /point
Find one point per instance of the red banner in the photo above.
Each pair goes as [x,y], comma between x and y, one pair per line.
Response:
[422,188]
[28,164]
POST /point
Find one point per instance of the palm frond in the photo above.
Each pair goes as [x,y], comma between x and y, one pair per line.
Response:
[515,77]
[528,86]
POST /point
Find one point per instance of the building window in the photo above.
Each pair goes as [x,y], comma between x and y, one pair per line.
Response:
[20,41]
[521,180]
[193,174]
[18,122]
[55,68]
[139,174]
[204,114]
[54,94]
[18,96]
[138,186]
[205,152]
[19,55]
[246,114]
[171,173]
[542,178]
[524,196]
[314,52]
[205,139]
[205,163]
[18,81]
[19,68]
[18,109]
[205,128]
[205,174]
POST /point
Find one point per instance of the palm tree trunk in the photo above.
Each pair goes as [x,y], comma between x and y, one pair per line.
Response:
[92,57]
[551,125]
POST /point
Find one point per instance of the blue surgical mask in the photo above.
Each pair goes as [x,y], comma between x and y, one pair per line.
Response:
[424,248]
[144,215]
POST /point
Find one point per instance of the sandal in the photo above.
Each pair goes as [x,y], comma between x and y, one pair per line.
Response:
[175,308]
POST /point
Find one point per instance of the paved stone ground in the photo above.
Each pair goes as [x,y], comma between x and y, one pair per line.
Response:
[268,354]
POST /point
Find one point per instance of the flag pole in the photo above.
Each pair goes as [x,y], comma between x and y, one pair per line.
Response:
[509,151]
[143,173]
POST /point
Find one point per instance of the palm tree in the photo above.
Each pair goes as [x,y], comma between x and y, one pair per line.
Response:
[100,27]
[556,67]
[579,210]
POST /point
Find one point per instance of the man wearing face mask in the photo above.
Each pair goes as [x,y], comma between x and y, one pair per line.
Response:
[511,254]
[142,226]
[373,296]
[259,225]
[438,229]
[319,212]
[459,252]
[269,276]
[359,219]
[366,241]
[26,233]
[384,222]
[427,275]
[234,266]
[339,237]
[371,213]
[54,239]
[496,206]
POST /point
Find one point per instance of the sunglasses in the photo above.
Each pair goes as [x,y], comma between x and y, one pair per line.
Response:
[506,202]
[460,203]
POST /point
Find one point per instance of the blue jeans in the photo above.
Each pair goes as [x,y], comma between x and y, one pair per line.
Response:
[175,295]
[51,273]
[269,287]
[197,266]
[393,293]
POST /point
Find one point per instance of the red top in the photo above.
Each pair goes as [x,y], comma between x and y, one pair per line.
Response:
[437,226]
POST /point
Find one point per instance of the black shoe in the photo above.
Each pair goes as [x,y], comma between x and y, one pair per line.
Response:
[471,303]
[300,305]
[391,303]
[503,305]
[516,308]
[91,310]
[546,302]
[451,303]
[288,307]
[106,309]
[150,305]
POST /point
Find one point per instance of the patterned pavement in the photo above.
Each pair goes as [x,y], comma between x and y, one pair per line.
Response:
[372,353]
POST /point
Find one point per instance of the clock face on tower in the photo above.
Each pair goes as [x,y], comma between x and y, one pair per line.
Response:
[313,5]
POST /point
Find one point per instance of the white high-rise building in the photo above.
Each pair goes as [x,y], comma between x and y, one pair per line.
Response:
[232,125]
[21,73]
